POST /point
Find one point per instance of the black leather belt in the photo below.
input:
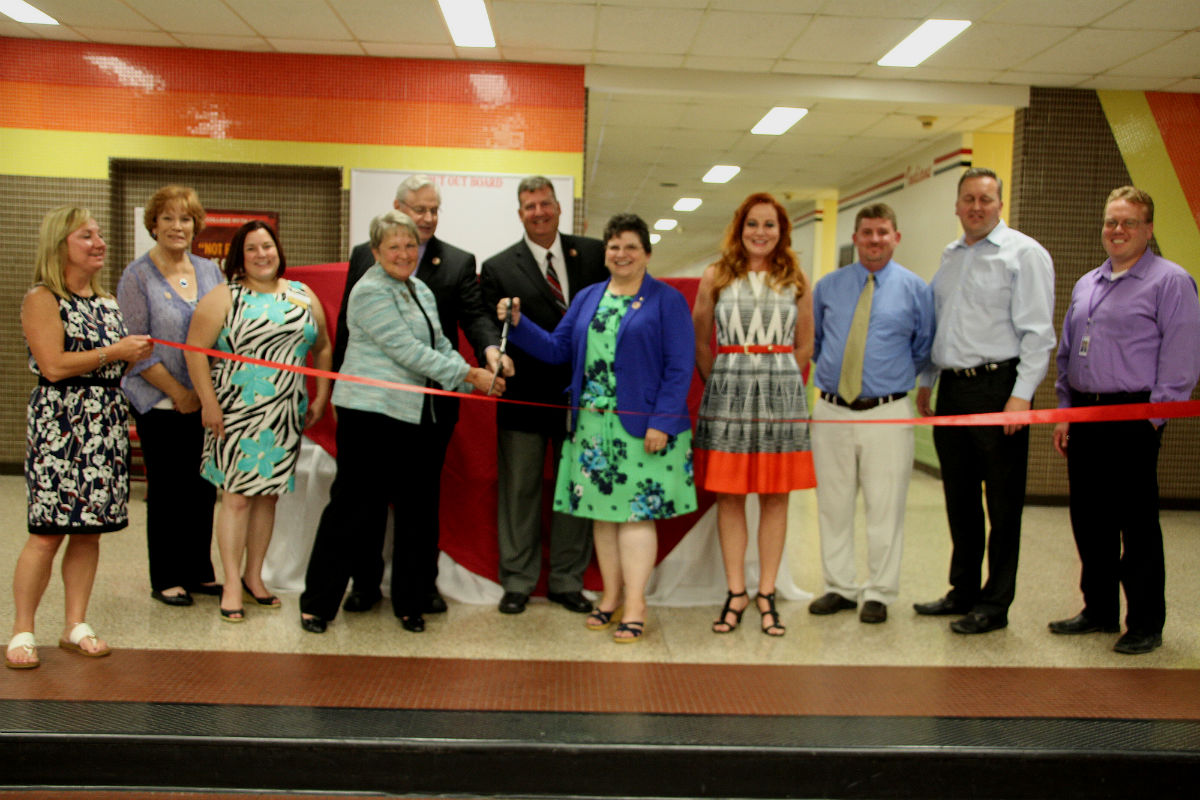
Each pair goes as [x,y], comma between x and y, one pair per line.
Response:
[1108,398]
[862,403]
[982,369]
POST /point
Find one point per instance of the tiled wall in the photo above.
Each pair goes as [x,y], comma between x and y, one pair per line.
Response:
[105,125]
[1066,161]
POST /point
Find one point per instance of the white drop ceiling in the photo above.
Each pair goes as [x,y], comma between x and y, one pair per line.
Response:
[675,85]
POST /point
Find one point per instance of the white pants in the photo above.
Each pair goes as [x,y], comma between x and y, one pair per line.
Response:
[879,458]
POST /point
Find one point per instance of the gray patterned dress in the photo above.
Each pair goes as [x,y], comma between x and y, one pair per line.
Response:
[752,434]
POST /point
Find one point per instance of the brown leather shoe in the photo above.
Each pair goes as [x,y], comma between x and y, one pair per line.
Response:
[831,603]
[873,612]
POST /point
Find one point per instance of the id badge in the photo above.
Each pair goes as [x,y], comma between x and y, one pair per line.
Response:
[1083,344]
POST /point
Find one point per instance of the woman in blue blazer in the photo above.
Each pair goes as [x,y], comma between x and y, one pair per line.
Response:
[629,459]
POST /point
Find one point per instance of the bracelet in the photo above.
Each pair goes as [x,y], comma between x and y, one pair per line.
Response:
[103,357]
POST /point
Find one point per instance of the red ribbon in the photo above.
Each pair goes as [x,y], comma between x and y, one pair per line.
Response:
[1173,410]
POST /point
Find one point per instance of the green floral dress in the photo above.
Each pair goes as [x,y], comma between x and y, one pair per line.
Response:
[264,407]
[605,473]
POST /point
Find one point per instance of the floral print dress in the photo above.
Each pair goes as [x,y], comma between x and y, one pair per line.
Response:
[605,473]
[264,407]
[77,432]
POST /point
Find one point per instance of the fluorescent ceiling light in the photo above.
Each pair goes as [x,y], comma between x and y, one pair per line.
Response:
[721,173]
[778,120]
[687,203]
[923,42]
[655,238]
[666,224]
[23,12]
[468,23]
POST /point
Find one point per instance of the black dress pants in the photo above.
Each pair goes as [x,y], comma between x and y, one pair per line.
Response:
[1113,470]
[381,461]
[983,461]
[179,503]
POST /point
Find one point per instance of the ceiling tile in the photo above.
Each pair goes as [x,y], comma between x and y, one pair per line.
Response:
[646,112]
[206,41]
[1124,84]
[649,59]
[106,14]
[1092,50]
[729,64]
[711,115]
[841,123]
[321,46]
[646,30]
[882,9]
[924,73]
[996,46]
[191,18]
[1178,57]
[142,38]
[408,50]
[1075,13]
[780,6]
[846,69]
[538,25]
[843,39]
[544,56]
[793,144]
[1191,85]
[909,126]
[1039,78]
[1153,15]
[737,34]
[293,20]
[392,21]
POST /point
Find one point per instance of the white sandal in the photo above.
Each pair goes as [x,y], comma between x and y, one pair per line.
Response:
[78,633]
[22,641]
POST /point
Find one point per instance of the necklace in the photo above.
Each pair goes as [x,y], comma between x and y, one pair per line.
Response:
[183,282]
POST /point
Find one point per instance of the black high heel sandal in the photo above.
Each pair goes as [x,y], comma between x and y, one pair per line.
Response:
[771,611]
[729,609]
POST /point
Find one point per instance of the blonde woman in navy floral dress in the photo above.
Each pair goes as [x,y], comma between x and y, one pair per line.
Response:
[254,415]
[630,344]
[77,439]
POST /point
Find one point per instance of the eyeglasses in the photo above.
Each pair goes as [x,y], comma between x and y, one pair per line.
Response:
[1127,224]
[421,211]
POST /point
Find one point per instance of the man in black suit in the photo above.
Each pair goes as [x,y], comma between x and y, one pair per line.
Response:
[545,269]
[450,274]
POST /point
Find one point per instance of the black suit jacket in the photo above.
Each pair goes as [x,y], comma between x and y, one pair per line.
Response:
[515,273]
[450,274]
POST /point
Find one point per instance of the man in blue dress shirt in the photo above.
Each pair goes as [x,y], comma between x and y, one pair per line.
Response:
[876,457]
[994,296]
[1131,335]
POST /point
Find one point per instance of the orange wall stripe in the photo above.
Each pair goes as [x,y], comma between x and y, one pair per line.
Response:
[1178,118]
[313,119]
[153,71]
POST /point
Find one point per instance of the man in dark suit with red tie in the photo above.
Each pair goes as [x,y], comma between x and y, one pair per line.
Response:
[450,274]
[545,269]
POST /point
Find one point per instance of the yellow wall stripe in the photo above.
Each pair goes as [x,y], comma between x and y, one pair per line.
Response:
[68,154]
[1145,155]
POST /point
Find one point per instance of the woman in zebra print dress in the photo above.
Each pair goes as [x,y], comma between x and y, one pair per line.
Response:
[254,415]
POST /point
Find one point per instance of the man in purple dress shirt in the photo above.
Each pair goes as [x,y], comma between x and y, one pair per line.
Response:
[1131,335]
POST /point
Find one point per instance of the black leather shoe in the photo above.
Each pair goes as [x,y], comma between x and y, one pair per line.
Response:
[831,603]
[312,624]
[1136,644]
[434,604]
[942,607]
[415,623]
[873,612]
[978,622]
[358,602]
[1081,624]
[571,601]
[184,599]
[513,602]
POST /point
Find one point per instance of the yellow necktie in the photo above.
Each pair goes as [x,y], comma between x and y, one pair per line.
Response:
[850,384]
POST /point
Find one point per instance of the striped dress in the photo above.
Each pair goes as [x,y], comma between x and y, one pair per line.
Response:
[752,435]
[264,407]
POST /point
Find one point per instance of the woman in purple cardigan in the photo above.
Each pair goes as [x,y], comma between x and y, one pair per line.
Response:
[157,295]
[629,459]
